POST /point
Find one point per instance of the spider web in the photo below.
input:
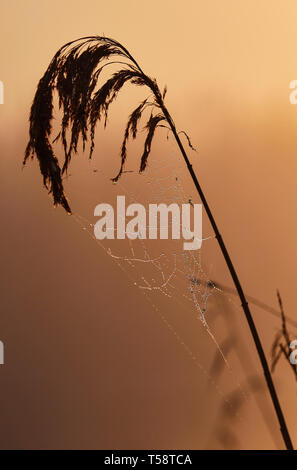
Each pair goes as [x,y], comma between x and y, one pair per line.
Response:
[174,281]
[174,273]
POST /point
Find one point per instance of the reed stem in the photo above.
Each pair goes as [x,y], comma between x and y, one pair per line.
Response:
[232,271]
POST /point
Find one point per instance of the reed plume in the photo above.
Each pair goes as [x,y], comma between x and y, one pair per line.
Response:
[73,74]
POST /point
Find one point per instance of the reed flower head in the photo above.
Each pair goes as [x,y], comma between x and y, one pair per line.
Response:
[74,73]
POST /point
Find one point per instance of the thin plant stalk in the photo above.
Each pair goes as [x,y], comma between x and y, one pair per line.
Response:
[238,287]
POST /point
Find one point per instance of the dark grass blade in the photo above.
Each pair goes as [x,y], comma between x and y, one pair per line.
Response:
[281,344]
[131,128]
[151,126]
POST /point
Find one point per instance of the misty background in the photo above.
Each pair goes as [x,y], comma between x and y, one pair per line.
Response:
[88,363]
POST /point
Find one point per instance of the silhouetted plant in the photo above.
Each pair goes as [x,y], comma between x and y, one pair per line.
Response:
[73,73]
[282,341]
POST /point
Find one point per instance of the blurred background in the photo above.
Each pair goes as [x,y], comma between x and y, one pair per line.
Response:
[89,361]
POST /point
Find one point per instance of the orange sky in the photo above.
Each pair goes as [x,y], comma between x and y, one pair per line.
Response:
[227,66]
